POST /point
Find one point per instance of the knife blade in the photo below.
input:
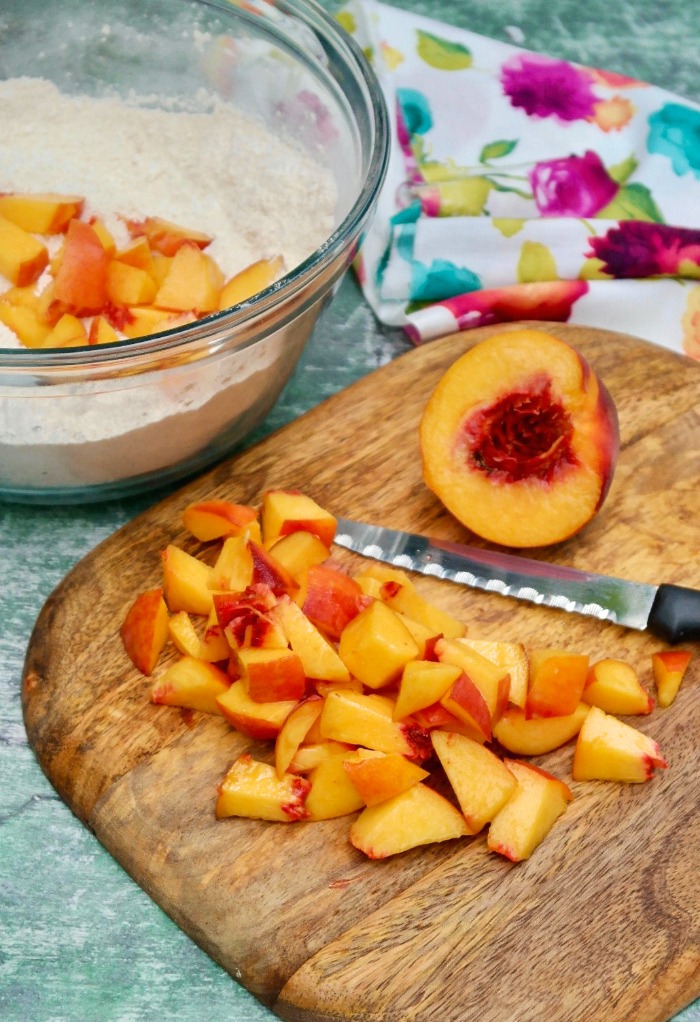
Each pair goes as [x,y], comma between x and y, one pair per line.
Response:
[669,612]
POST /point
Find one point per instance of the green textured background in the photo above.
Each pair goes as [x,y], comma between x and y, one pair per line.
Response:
[79,941]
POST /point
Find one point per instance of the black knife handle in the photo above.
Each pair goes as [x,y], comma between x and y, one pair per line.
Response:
[675,614]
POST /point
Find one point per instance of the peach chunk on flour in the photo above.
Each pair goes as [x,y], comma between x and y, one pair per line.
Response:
[520,439]
[250,281]
[192,283]
[40,212]
[22,256]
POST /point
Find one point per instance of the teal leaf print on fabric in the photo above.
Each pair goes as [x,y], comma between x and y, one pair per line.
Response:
[674,132]
[497,150]
[441,53]
[415,111]
[442,279]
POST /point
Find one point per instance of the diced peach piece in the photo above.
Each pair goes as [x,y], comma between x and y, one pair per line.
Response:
[285,511]
[298,551]
[145,630]
[184,635]
[511,656]
[69,332]
[233,569]
[253,790]
[271,675]
[294,731]
[378,776]
[192,283]
[533,736]
[104,234]
[191,683]
[101,331]
[250,281]
[557,680]
[465,701]
[257,720]
[492,680]
[143,320]
[317,654]
[529,814]
[669,667]
[437,718]
[329,598]
[129,285]
[268,571]
[40,212]
[405,600]
[607,749]
[215,519]
[186,582]
[167,237]
[367,720]
[332,792]
[215,645]
[423,682]
[481,781]
[324,687]
[613,686]
[418,816]
[311,754]
[81,278]
[25,296]
[376,646]
[22,256]
[424,637]
[136,253]
[247,621]
[25,323]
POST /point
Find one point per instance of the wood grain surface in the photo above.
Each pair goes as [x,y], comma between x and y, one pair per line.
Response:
[602,923]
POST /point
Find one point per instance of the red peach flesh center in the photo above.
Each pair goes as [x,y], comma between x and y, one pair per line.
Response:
[525,435]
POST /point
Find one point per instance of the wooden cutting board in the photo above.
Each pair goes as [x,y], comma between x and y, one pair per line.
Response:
[602,923]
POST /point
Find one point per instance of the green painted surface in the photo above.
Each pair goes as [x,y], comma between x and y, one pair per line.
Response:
[79,941]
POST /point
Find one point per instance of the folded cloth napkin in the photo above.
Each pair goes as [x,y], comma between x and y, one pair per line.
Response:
[526,187]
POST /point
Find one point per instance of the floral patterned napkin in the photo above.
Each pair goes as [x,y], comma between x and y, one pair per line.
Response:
[525,187]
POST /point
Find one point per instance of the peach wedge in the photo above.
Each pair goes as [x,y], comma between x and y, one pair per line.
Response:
[607,749]
[520,439]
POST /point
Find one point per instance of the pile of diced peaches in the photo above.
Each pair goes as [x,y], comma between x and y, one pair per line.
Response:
[97,292]
[373,698]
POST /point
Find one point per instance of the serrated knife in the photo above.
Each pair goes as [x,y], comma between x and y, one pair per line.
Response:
[670,612]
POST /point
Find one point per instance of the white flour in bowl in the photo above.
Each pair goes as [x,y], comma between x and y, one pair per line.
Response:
[218,171]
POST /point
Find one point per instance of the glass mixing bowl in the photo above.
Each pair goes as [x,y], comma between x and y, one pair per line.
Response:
[88,423]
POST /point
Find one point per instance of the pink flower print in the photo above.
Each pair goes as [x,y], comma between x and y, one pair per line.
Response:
[545,87]
[636,248]
[572,186]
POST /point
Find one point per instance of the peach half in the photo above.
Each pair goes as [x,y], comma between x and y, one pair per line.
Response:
[519,439]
